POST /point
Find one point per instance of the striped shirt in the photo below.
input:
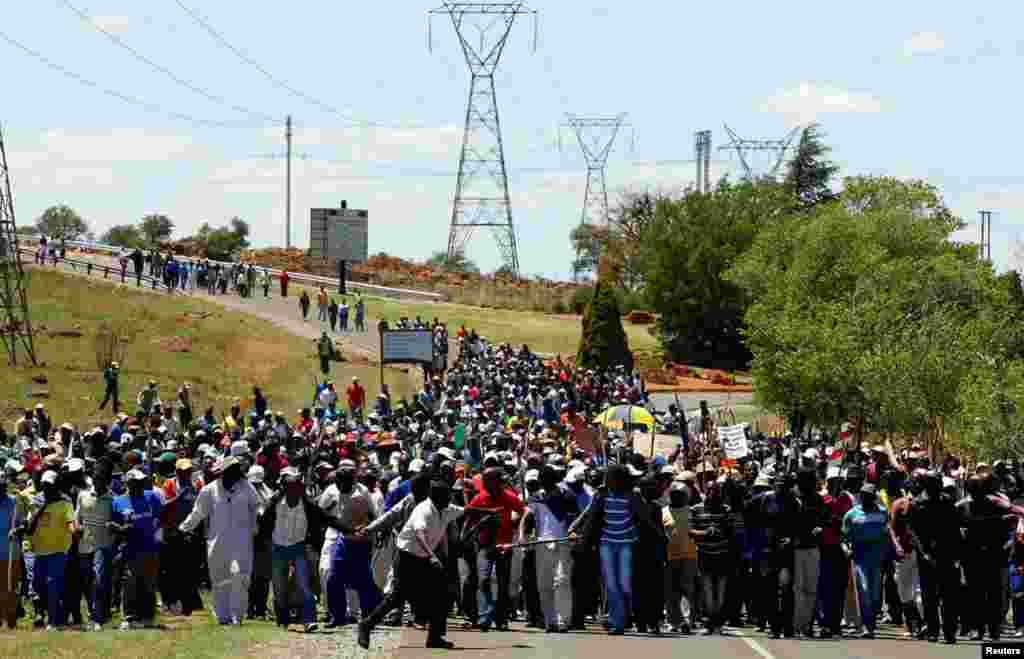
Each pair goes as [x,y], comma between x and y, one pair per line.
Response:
[618,521]
[715,548]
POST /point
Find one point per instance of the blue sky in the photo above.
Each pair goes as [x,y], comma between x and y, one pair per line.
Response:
[908,89]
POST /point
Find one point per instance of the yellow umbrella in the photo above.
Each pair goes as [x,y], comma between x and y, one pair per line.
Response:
[619,415]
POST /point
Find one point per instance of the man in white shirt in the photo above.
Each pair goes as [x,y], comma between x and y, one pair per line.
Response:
[345,557]
[229,505]
[289,519]
[420,573]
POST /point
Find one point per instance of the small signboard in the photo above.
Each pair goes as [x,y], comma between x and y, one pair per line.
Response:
[407,347]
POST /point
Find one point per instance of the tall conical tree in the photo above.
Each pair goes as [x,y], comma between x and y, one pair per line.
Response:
[810,173]
[604,343]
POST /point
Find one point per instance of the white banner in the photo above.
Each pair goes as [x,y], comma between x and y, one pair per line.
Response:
[734,441]
[407,347]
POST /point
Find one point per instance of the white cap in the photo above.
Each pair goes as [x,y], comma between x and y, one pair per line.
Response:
[76,464]
[576,474]
[50,477]
[532,475]
[256,474]
[447,452]
[346,464]
[948,482]
[135,475]
[833,472]
[416,466]
[633,471]
[668,470]
[239,448]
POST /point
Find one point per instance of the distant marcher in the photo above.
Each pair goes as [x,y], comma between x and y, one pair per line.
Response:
[332,314]
[304,305]
[110,377]
[325,349]
[284,283]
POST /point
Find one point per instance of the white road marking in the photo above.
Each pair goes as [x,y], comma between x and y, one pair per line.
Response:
[754,645]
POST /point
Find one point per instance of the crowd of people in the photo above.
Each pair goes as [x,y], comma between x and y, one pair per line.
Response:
[487,496]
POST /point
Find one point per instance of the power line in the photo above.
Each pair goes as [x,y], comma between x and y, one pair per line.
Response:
[132,100]
[277,82]
[163,69]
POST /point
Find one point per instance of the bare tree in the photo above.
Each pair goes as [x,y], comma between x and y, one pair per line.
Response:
[112,341]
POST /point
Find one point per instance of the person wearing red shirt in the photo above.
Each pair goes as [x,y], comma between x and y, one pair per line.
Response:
[356,397]
[492,563]
[835,566]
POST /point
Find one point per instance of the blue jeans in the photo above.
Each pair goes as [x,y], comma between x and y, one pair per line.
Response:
[96,570]
[867,576]
[490,566]
[282,557]
[350,568]
[617,570]
[49,579]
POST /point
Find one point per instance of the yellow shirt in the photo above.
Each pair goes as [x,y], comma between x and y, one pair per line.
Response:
[53,533]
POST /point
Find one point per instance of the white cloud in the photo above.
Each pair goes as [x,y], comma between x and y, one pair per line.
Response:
[83,176]
[923,43]
[115,24]
[805,102]
[117,144]
[381,144]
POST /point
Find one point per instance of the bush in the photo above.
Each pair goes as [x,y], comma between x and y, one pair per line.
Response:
[581,298]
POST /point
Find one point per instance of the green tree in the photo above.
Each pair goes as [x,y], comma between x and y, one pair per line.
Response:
[619,239]
[61,223]
[809,174]
[604,343]
[866,308]
[458,263]
[123,235]
[156,228]
[690,245]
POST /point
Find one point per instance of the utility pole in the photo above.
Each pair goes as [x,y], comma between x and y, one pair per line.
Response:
[288,132]
[481,189]
[985,245]
[15,326]
[288,183]
[595,136]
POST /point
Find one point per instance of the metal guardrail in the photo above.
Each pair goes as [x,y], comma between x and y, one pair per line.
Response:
[296,277]
[155,283]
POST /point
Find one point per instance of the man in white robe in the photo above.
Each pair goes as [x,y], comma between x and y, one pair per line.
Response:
[229,505]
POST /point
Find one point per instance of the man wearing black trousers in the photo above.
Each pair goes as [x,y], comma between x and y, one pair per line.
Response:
[419,572]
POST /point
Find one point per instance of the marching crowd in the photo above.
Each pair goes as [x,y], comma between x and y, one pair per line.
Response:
[488,496]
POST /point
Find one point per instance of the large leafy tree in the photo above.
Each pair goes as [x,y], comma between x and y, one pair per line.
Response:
[689,246]
[810,174]
[62,223]
[123,235]
[619,239]
[223,243]
[156,228]
[865,308]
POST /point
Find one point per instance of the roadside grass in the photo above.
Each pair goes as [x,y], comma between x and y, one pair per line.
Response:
[197,637]
[545,333]
[229,353]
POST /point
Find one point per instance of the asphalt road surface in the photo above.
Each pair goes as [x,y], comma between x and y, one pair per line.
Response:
[744,643]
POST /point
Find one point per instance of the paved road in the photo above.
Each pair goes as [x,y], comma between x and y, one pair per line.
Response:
[741,644]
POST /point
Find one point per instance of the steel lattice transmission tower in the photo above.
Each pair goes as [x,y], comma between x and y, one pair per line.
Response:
[702,156]
[17,328]
[742,147]
[481,190]
[596,137]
